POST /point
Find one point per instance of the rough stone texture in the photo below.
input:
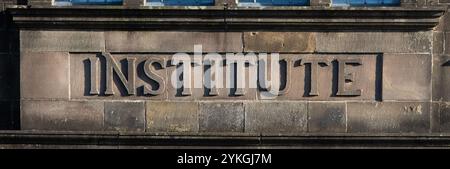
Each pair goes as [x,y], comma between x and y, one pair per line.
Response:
[442,113]
[446,78]
[275,117]
[438,42]
[80,77]
[69,41]
[408,3]
[230,3]
[421,3]
[432,2]
[320,2]
[62,115]
[122,41]
[445,20]
[44,75]
[221,117]
[435,125]
[388,117]
[133,3]
[365,77]
[125,116]
[389,42]
[441,80]
[40,2]
[406,77]
[327,117]
[279,41]
[172,116]
[447,43]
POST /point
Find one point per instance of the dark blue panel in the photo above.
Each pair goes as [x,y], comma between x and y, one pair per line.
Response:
[366,2]
[341,2]
[391,2]
[91,2]
[182,2]
[276,2]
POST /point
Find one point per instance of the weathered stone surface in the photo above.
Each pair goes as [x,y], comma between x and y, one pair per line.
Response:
[133,3]
[394,42]
[125,116]
[441,80]
[445,83]
[327,117]
[388,117]
[62,115]
[366,77]
[438,42]
[279,42]
[172,116]
[320,2]
[445,20]
[228,2]
[442,111]
[44,75]
[421,3]
[221,117]
[435,126]
[40,2]
[406,77]
[432,2]
[80,75]
[447,43]
[275,117]
[69,41]
[122,41]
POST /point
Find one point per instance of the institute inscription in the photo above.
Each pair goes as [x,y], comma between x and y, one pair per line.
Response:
[225,76]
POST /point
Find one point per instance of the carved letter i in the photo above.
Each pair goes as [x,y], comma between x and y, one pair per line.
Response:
[94,76]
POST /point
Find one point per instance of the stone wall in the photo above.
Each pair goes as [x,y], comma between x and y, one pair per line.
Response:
[60,101]
[403,79]
[440,78]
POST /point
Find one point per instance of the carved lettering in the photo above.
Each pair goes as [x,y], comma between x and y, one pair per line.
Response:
[149,72]
[235,69]
[270,76]
[214,72]
[112,66]
[94,76]
[289,65]
[344,77]
[314,74]
[184,61]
